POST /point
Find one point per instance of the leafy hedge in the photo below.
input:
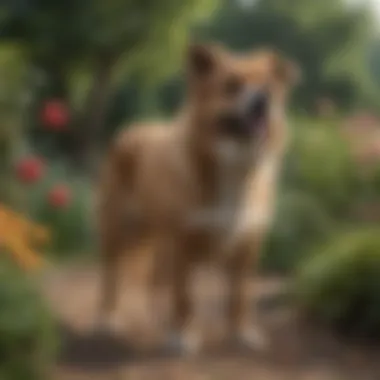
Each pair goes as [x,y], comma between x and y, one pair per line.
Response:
[324,167]
[301,222]
[322,189]
[27,332]
[340,283]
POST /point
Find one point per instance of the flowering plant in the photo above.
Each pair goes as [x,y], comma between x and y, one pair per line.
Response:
[18,236]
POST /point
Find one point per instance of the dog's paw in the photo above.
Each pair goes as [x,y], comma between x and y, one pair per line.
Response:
[108,324]
[252,338]
[187,343]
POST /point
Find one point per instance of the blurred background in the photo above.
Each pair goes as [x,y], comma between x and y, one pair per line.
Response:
[73,72]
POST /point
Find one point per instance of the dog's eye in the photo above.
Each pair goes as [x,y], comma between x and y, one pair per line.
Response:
[233,86]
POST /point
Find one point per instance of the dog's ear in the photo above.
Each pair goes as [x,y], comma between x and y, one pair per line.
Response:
[287,71]
[291,72]
[201,59]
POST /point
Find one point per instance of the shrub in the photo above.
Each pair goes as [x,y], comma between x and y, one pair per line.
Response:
[70,226]
[324,167]
[340,283]
[301,222]
[27,333]
[321,188]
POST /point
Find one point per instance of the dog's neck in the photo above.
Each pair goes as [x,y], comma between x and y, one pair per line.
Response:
[220,169]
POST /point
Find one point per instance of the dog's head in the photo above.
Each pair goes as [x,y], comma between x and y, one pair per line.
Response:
[237,98]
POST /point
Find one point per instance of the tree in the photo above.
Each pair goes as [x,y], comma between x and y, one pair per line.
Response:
[13,102]
[329,40]
[85,47]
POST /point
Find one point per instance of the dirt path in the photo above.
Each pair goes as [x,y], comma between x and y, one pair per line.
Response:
[297,353]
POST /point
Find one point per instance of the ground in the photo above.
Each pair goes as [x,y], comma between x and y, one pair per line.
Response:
[298,351]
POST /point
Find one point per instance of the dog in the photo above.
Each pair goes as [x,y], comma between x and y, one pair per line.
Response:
[200,187]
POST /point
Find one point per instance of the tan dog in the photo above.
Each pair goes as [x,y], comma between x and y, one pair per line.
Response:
[203,186]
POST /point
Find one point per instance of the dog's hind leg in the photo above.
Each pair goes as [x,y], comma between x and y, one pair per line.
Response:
[116,216]
[159,277]
[112,247]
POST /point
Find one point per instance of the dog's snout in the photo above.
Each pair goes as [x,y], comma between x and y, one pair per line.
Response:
[257,104]
[231,124]
[249,117]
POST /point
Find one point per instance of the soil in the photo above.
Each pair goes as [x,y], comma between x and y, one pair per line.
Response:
[298,350]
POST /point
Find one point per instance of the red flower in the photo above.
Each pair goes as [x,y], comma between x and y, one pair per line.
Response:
[59,196]
[55,115]
[30,170]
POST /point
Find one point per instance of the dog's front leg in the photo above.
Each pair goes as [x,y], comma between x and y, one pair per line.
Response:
[247,237]
[241,264]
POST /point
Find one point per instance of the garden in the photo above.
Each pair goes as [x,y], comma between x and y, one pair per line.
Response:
[66,88]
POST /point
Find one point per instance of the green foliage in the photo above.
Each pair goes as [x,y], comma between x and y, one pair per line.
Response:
[340,283]
[13,92]
[323,166]
[165,32]
[140,34]
[300,223]
[27,332]
[320,185]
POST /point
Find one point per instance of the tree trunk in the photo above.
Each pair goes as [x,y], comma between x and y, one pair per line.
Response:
[94,115]
[5,164]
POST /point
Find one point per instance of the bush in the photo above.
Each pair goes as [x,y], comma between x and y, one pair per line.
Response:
[27,333]
[70,226]
[321,188]
[340,284]
[300,223]
[324,167]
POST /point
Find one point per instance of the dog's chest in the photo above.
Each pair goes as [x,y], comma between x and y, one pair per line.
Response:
[219,213]
[230,179]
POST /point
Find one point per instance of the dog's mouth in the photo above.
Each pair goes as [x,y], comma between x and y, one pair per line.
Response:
[257,114]
[250,123]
